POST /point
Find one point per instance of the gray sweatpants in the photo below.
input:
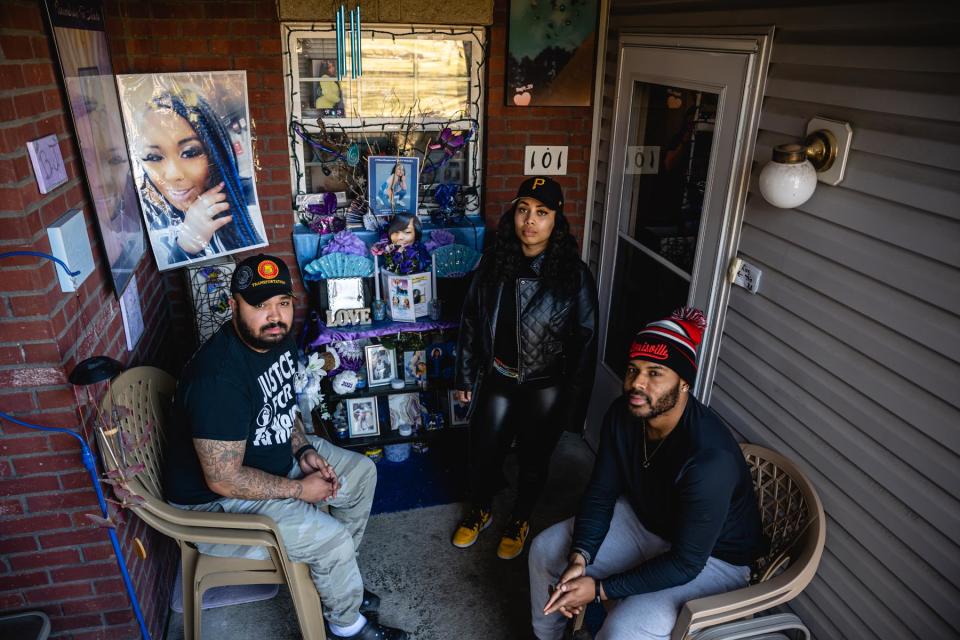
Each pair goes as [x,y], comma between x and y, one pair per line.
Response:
[326,542]
[646,616]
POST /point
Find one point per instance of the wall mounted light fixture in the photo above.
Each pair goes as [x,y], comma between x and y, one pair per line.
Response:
[790,178]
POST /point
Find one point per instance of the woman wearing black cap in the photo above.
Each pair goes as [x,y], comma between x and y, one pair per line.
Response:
[526,355]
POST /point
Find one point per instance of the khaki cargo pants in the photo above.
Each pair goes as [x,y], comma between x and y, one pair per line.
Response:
[327,542]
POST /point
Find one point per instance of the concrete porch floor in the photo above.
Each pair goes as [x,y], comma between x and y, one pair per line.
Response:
[428,587]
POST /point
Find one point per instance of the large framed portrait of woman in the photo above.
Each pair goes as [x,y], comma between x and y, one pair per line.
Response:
[190,144]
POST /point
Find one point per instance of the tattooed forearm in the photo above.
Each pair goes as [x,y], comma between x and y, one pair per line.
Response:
[298,438]
[222,464]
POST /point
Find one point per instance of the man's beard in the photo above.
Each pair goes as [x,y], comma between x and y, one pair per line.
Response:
[665,403]
[253,340]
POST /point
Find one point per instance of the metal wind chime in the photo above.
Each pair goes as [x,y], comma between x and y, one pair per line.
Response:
[356,56]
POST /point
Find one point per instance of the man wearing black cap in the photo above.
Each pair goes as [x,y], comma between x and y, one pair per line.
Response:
[670,513]
[237,445]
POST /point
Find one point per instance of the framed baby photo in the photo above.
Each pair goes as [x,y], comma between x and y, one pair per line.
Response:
[362,418]
[381,364]
[392,184]
[458,410]
[414,366]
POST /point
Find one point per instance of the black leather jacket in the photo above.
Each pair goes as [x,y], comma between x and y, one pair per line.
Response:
[557,335]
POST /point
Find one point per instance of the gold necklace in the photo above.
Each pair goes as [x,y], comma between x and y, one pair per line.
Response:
[646,459]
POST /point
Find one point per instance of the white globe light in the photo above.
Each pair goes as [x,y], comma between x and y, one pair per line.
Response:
[788,180]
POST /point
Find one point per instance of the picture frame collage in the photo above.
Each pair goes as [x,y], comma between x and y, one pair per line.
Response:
[370,416]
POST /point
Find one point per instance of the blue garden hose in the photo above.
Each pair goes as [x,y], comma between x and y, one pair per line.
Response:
[90,463]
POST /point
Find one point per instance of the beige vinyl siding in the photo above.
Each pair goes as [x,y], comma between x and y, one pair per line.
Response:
[603,155]
[848,359]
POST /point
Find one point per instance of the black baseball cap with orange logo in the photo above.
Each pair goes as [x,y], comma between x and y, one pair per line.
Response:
[261,277]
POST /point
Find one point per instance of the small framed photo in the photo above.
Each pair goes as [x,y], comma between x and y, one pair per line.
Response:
[362,418]
[405,408]
[392,184]
[441,360]
[381,364]
[458,410]
[345,293]
[414,366]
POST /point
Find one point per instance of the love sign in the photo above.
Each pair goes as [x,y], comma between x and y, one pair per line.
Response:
[345,317]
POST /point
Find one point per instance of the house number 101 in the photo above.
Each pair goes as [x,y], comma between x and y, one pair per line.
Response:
[545,161]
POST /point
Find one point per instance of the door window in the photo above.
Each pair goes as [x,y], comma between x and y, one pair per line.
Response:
[667,166]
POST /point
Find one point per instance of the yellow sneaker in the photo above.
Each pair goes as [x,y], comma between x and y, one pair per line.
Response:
[470,527]
[515,536]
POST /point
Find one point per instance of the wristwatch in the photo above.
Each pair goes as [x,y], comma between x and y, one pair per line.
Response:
[596,582]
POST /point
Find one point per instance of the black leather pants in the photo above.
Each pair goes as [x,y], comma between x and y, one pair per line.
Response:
[507,410]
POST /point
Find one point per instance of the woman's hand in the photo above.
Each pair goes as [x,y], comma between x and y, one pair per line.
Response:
[198,224]
[463,397]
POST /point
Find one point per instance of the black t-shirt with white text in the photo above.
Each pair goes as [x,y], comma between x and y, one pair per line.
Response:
[231,392]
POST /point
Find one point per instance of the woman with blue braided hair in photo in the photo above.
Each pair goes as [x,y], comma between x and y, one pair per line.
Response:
[195,203]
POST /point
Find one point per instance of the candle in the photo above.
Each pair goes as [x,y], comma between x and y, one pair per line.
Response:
[433,269]
[376,277]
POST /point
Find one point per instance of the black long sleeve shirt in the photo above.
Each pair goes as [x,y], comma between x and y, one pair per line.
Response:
[696,494]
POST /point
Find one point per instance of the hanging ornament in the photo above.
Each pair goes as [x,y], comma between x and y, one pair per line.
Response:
[356,56]
[353,154]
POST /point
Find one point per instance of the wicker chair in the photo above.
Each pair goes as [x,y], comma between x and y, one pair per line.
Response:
[793,520]
[142,396]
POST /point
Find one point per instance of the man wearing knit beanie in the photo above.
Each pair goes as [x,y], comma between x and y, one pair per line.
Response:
[670,514]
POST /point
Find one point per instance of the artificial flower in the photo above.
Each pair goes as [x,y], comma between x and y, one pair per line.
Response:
[345,242]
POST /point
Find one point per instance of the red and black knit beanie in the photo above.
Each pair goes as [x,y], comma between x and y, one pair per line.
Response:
[672,342]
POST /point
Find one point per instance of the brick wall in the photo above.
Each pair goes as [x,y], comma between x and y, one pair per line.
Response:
[204,35]
[510,129]
[51,557]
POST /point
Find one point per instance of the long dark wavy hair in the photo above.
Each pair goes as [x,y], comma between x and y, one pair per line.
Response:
[241,231]
[561,260]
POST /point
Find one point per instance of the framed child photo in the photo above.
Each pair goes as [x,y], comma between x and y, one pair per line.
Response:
[381,364]
[362,418]
[459,411]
